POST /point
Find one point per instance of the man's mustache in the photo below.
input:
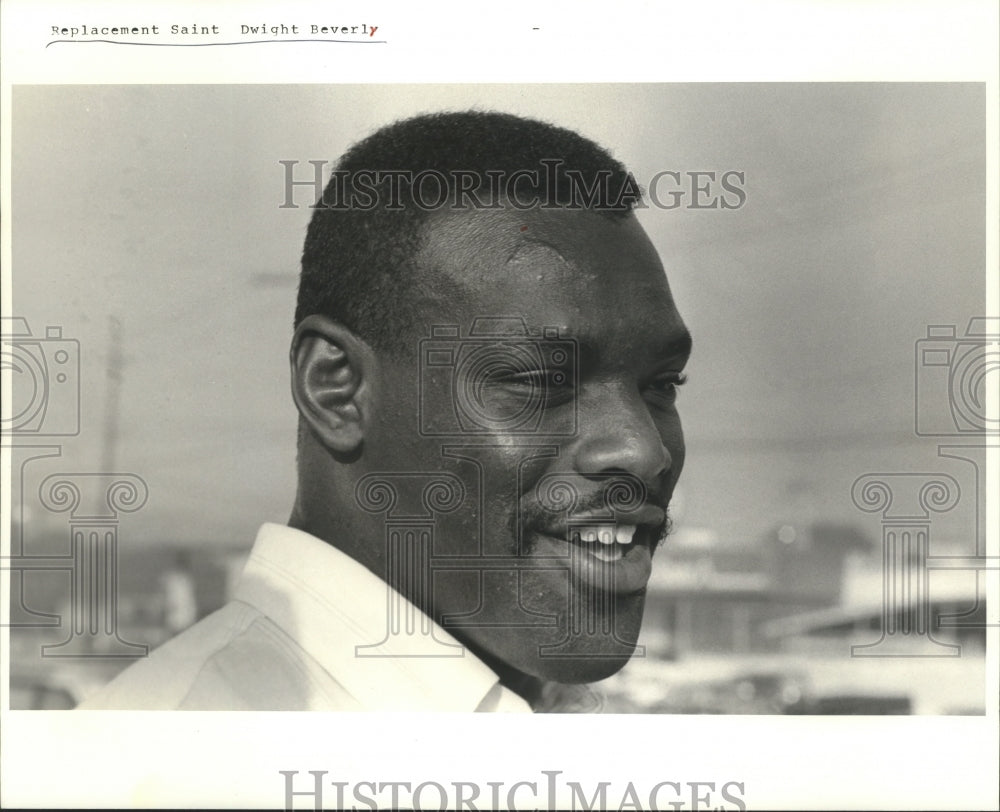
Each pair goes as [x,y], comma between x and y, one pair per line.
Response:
[532,515]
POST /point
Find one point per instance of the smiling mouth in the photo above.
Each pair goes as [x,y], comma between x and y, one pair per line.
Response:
[606,542]
[604,554]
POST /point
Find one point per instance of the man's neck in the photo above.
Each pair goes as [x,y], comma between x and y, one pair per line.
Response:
[527,687]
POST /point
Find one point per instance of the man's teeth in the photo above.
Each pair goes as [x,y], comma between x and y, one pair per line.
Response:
[606,534]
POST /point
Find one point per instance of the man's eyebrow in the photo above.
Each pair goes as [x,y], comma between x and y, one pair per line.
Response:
[676,344]
[533,249]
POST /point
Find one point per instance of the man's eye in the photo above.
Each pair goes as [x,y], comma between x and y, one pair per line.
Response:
[553,386]
[548,380]
[666,385]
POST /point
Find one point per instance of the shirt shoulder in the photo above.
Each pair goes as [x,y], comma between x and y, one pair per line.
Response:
[234,659]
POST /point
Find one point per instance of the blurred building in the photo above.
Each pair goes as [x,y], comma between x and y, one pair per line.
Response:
[709,597]
[160,591]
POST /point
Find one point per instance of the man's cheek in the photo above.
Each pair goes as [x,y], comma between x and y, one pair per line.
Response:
[545,589]
[457,592]
[459,534]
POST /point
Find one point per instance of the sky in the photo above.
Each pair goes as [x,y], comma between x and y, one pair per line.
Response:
[159,208]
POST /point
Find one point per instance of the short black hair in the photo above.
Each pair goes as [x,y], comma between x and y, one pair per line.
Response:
[357,262]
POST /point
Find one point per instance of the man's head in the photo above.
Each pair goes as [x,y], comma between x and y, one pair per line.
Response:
[485,332]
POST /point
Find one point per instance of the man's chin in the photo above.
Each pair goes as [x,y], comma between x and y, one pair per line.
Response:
[551,655]
[573,670]
[578,658]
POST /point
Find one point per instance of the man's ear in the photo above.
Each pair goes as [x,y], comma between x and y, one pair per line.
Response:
[332,372]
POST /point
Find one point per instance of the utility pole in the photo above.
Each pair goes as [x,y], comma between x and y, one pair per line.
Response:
[112,400]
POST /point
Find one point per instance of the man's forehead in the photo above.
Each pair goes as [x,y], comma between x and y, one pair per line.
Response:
[592,278]
[489,245]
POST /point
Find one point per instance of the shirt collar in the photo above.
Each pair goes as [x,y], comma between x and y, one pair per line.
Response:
[339,612]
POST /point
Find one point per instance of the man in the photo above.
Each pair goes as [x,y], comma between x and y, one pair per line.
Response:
[485,364]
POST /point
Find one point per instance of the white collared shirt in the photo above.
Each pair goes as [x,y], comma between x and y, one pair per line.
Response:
[309,629]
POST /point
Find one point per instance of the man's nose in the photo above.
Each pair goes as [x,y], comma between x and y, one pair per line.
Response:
[618,434]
